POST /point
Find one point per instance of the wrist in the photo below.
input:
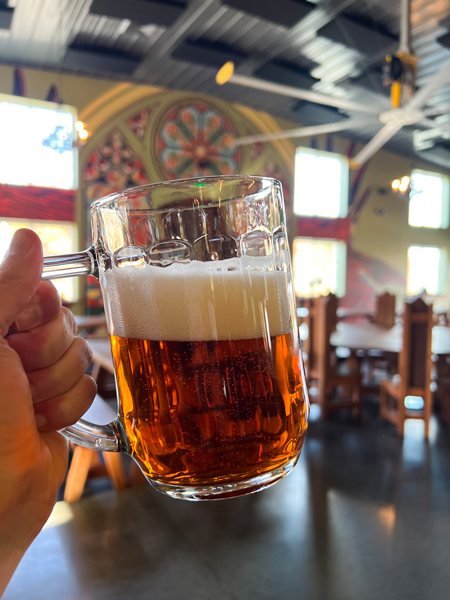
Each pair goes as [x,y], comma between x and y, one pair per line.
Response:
[23,513]
[19,525]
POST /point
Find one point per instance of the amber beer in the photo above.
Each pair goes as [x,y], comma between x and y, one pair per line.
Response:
[208,372]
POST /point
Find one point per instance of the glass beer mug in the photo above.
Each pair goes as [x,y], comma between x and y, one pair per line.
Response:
[197,287]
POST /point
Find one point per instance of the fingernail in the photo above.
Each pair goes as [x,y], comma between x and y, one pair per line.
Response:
[40,421]
[29,317]
[21,242]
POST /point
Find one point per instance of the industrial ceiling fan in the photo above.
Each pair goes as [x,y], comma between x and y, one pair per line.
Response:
[407,106]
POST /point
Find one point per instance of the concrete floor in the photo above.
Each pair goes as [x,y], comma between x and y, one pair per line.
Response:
[363,516]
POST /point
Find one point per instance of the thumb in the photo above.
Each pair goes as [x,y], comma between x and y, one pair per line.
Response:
[20,274]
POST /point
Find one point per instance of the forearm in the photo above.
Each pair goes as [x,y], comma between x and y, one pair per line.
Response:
[10,557]
[16,535]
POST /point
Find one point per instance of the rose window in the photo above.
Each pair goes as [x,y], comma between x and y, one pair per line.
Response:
[196,140]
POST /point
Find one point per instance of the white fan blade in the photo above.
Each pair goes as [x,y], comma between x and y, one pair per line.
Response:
[285,90]
[301,132]
[432,112]
[430,124]
[377,142]
[438,81]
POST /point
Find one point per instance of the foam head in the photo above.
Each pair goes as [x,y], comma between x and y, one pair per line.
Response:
[197,301]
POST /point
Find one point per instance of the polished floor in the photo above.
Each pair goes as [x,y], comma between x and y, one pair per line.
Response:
[363,516]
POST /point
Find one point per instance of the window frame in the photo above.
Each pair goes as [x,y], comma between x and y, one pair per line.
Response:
[344,182]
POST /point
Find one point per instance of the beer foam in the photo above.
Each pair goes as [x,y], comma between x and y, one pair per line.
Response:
[198,301]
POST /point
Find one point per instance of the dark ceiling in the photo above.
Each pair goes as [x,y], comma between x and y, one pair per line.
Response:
[334,47]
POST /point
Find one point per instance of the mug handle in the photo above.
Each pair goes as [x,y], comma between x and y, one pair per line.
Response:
[98,437]
[71,265]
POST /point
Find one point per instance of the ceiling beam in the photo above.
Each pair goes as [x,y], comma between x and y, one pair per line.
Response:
[206,53]
[282,12]
[304,30]
[286,74]
[96,60]
[181,29]
[142,12]
[357,35]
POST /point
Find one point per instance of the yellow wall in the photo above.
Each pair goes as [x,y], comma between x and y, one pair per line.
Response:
[75,91]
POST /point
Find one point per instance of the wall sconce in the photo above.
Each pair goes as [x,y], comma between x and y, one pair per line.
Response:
[82,133]
[401,185]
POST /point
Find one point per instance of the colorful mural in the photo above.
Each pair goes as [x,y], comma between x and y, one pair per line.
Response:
[196,140]
[367,277]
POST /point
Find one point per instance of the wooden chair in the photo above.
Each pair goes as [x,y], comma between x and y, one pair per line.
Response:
[441,379]
[86,463]
[385,310]
[376,361]
[323,373]
[414,369]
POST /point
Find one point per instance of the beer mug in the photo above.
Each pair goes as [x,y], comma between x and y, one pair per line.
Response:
[197,287]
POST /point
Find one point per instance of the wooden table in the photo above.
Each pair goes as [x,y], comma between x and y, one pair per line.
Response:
[346,313]
[368,336]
